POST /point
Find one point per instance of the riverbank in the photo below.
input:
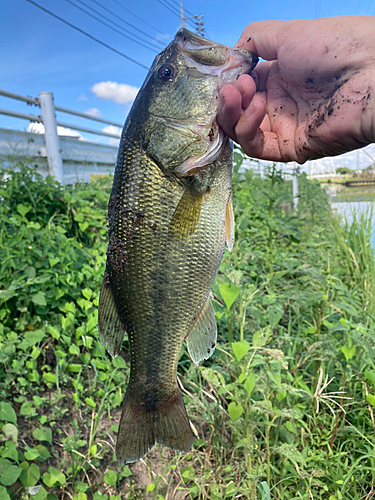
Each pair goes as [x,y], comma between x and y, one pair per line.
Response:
[282,410]
[347,180]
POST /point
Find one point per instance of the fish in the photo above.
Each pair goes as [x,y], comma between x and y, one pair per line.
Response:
[170,214]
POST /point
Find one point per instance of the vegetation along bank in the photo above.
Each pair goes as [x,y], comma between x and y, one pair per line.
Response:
[284,409]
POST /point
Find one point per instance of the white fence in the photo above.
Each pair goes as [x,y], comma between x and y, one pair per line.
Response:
[63,154]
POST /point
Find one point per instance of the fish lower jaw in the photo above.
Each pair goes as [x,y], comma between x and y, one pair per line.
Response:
[240,62]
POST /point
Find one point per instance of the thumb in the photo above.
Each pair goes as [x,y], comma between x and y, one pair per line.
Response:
[264,38]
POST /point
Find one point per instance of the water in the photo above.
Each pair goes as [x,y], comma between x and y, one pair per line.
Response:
[347,201]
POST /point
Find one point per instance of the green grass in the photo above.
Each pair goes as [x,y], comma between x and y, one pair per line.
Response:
[283,410]
[355,238]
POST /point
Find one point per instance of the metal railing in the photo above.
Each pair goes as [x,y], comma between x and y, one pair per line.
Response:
[48,117]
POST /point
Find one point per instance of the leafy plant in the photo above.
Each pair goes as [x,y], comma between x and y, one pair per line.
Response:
[284,409]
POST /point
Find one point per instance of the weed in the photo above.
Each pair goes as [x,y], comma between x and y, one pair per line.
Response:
[282,410]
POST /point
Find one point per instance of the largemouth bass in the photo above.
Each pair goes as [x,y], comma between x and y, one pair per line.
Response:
[170,214]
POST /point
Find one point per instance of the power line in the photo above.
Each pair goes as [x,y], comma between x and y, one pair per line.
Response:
[173,11]
[178,10]
[137,40]
[87,34]
[177,7]
[185,9]
[199,26]
[135,15]
[122,20]
[171,8]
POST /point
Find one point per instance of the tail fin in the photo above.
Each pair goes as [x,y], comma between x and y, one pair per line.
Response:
[142,425]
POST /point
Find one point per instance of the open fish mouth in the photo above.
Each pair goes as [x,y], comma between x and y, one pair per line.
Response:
[227,64]
[213,58]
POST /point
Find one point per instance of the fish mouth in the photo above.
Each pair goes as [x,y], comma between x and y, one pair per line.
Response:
[227,64]
[213,58]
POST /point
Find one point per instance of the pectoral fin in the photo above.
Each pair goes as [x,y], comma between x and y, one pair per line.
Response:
[186,216]
[201,340]
[111,330]
[229,223]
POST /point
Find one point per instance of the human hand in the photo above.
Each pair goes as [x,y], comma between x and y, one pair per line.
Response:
[316,90]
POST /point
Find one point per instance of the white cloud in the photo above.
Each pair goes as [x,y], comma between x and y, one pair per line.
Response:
[111,129]
[82,97]
[118,92]
[94,112]
[35,128]
[38,128]
[68,132]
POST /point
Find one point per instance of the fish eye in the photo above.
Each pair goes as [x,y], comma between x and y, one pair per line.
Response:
[166,72]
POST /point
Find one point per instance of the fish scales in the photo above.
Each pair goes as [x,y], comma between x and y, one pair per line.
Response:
[165,278]
[168,224]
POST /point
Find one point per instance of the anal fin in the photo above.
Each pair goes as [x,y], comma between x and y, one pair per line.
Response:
[111,330]
[229,223]
[201,340]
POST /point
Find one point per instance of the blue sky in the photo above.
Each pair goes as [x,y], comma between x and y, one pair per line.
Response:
[40,53]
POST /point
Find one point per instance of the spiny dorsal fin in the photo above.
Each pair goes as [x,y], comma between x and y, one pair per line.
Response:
[111,330]
[201,340]
[229,223]
[186,217]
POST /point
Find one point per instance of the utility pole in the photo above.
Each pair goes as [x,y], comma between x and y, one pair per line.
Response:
[182,14]
[198,19]
[200,24]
